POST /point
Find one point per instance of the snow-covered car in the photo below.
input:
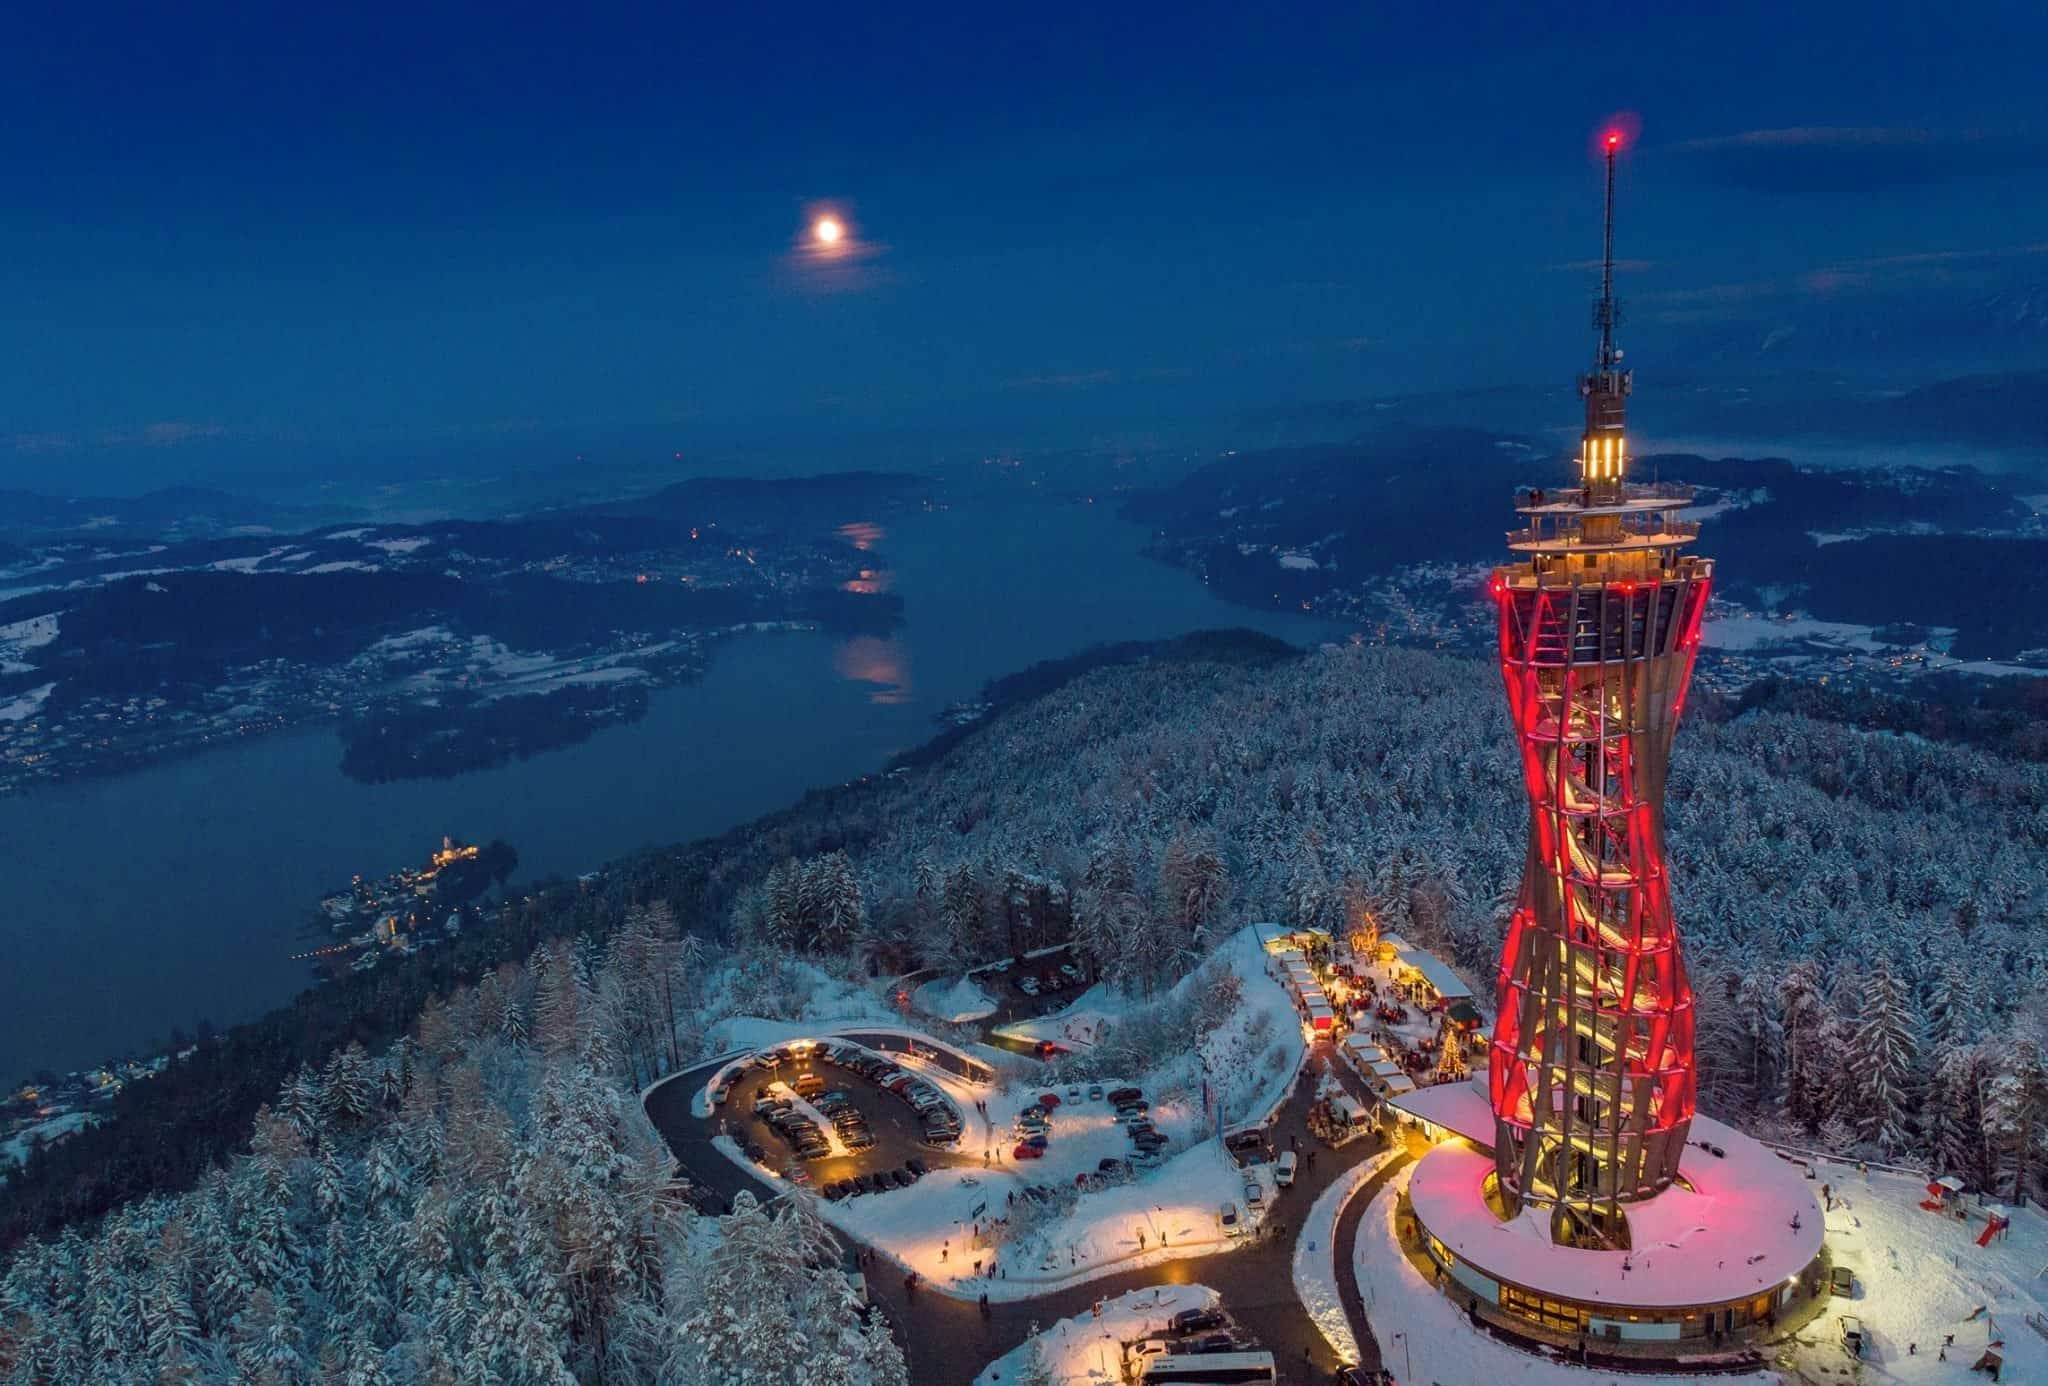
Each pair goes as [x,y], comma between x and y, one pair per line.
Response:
[1028,985]
[1095,1092]
[1232,1225]
[1150,1347]
[1070,969]
[1254,1195]
[1283,1169]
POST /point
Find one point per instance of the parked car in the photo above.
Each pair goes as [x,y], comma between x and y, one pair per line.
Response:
[1227,1215]
[917,1166]
[1095,1092]
[1028,985]
[754,1152]
[1208,1343]
[1852,1335]
[1037,1138]
[1124,1094]
[1196,1320]
[1111,1167]
[721,1090]
[1151,1347]
[1283,1170]
[1842,1281]
[796,1173]
[1027,1152]
[1048,1100]
[1254,1193]
[810,1085]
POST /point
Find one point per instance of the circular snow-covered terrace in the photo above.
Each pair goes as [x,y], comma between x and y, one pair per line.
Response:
[1747,1225]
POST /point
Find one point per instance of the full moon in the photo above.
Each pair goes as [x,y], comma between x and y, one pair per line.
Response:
[828,231]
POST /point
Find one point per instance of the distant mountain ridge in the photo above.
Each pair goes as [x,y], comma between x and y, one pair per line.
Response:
[1292,527]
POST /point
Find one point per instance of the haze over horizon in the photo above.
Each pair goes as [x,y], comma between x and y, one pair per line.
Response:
[263,248]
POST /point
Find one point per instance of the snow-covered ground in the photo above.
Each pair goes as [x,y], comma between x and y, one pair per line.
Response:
[1921,1276]
[1089,1347]
[26,705]
[941,1226]
[1424,1336]
[1315,1259]
[956,1001]
[45,1133]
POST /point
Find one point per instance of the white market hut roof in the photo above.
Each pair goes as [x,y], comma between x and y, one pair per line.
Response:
[1436,972]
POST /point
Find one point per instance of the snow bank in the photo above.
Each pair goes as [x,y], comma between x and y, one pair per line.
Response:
[955,1001]
[1424,1336]
[1089,1347]
[1315,1259]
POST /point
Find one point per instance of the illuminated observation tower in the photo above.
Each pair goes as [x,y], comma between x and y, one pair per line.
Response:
[1591,1066]
[1574,1192]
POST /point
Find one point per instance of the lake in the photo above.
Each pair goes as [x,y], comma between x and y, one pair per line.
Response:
[147,901]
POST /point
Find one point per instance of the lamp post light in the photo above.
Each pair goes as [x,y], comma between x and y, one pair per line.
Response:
[1407,1363]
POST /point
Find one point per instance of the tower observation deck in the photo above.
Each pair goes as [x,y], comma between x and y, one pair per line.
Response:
[1591,1075]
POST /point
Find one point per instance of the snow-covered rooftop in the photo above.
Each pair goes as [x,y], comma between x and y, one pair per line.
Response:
[1731,1234]
[1457,1107]
[1435,971]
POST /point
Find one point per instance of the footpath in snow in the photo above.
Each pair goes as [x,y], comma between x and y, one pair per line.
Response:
[1089,1347]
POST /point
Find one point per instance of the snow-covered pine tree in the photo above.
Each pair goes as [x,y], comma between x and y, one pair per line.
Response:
[1883,1051]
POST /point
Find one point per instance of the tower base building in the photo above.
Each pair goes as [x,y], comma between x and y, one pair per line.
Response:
[1726,1252]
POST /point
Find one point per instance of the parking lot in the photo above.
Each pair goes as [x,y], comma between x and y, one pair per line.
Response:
[836,1116]
[1194,1333]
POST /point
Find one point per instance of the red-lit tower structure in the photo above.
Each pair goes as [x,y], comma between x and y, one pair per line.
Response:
[1591,1064]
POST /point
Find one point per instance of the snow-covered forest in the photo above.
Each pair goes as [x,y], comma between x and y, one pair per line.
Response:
[1863,912]
[486,1201]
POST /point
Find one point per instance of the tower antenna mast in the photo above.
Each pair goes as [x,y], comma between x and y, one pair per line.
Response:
[1608,313]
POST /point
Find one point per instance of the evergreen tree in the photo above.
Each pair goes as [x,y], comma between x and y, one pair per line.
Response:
[1882,1052]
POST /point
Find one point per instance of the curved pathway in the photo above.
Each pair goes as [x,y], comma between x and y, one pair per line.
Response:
[948,1341]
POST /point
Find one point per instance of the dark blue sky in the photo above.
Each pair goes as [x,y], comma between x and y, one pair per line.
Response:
[298,233]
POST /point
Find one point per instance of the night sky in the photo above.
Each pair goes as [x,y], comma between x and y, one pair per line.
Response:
[301,234]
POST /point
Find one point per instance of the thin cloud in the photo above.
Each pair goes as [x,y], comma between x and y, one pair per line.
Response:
[1593,267]
[165,434]
[1873,274]
[1824,159]
[1062,380]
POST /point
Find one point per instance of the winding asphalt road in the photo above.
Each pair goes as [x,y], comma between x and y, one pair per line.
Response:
[947,1341]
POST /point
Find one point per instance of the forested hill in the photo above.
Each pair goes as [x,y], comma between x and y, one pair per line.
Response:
[1862,910]
[1300,527]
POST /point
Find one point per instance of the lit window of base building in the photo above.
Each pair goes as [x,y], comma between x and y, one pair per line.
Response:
[1725,1255]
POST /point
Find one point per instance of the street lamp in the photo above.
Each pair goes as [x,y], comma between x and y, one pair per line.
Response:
[1407,1363]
